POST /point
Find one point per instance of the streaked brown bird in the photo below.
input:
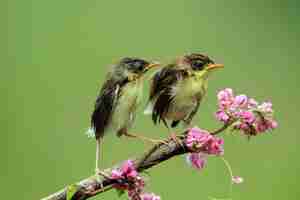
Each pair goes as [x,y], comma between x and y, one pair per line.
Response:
[178,88]
[119,97]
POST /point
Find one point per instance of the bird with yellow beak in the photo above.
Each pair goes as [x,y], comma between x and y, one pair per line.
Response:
[178,88]
[119,97]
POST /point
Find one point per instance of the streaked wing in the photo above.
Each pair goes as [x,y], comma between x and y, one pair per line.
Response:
[161,91]
[105,104]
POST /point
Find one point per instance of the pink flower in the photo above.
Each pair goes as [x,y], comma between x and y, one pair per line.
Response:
[201,140]
[131,181]
[225,95]
[266,107]
[215,146]
[116,174]
[273,124]
[263,125]
[252,103]
[128,169]
[241,100]
[196,160]
[149,196]
[237,179]
[247,116]
[196,138]
[222,116]
[127,173]
[225,98]
[245,113]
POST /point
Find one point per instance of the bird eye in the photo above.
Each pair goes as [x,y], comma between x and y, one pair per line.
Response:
[197,65]
[138,65]
[141,67]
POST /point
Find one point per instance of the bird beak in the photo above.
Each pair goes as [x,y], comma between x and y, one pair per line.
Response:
[153,64]
[214,66]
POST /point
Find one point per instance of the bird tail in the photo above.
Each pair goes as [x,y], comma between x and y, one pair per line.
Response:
[149,109]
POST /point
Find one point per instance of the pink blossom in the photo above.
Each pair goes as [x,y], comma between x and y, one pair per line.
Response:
[241,100]
[242,126]
[237,179]
[263,125]
[266,107]
[225,98]
[116,174]
[128,169]
[215,146]
[149,196]
[127,172]
[245,113]
[201,140]
[196,160]
[225,95]
[247,116]
[196,137]
[131,181]
[222,116]
[273,124]
[252,103]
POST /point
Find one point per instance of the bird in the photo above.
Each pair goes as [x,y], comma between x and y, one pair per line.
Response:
[177,89]
[118,99]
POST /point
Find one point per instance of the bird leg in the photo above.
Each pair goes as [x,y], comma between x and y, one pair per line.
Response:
[98,144]
[146,139]
[98,149]
[173,137]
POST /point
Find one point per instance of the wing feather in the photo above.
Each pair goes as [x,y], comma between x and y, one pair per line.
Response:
[105,104]
[161,91]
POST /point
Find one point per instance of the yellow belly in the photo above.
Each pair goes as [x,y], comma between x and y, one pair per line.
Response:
[124,112]
[187,94]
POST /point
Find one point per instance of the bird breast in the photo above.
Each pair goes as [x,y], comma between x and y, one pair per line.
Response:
[124,113]
[187,92]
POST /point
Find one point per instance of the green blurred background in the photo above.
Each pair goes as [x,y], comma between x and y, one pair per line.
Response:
[54,56]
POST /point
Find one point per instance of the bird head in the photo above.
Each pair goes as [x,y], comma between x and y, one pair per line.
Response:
[136,67]
[199,64]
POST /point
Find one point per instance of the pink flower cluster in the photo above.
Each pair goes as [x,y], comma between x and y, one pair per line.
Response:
[199,140]
[202,144]
[149,196]
[245,113]
[197,160]
[128,178]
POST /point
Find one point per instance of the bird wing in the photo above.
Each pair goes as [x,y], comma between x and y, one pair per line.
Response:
[161,90]
[105,104]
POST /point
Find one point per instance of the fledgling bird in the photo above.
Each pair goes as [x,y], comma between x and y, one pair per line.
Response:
[119,97]
[178,88]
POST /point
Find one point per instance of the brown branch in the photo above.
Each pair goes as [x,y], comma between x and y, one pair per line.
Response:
[93,185]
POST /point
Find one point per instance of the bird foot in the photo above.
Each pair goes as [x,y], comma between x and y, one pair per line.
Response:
[157,141]
[101,173]
[174,137]
[146,139]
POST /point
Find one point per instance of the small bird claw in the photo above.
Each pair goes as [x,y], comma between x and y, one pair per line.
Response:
[101,173]
[146,139]
[158,141]
[176,140]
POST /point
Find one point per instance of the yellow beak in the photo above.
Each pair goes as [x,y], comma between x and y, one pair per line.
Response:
[214,66]
[153,64]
